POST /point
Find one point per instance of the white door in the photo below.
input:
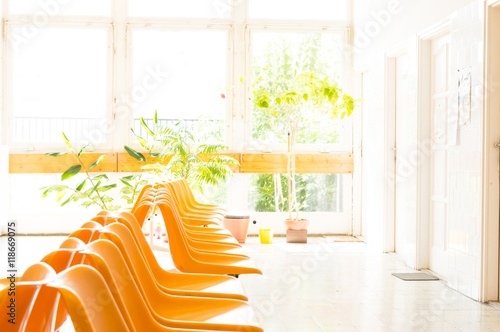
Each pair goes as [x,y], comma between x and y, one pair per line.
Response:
[439,104]
[405,171]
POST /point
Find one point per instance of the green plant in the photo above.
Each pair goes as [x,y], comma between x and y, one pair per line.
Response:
[180,156]
[288,102]
[95,188]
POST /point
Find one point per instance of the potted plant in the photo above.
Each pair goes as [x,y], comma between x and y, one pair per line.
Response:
[288,102]
[178,155]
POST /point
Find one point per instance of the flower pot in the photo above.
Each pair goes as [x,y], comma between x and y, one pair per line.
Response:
[296,230]
[296,225]
[237,225]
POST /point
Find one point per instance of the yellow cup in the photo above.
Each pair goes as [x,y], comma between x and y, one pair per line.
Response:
[266,235]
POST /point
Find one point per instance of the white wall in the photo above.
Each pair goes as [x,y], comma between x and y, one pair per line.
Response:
[37,215]
[381,24]
[465,164]
[401,26]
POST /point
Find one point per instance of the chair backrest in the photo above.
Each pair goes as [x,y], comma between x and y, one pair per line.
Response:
[143,191]
[22,298]
[121,236]
[49,313]
[109,261]
[89,300]
[85,234]
[129,220]
[94,223]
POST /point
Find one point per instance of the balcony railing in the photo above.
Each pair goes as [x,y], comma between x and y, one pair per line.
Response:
[48,130]
[202,129]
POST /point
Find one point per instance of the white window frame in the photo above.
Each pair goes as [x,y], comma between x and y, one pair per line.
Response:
[64,22]
[179,25]
[291,27]
[239,29]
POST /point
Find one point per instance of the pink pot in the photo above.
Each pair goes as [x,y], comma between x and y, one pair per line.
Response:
[296,225]
[237,225]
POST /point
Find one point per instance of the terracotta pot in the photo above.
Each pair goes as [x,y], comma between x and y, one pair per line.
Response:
[296,225]
[237,225]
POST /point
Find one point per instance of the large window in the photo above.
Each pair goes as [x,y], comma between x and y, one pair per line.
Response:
[181,75]
[315,192]
[278,57]
[93,68]
[59,82]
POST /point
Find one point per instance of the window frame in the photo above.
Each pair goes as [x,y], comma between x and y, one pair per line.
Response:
[20,21]
[120,25]
[179,25]
[291,27]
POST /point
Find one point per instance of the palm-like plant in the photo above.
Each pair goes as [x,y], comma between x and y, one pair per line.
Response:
[180,156]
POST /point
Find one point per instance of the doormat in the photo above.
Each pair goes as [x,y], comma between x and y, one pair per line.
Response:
[415,276]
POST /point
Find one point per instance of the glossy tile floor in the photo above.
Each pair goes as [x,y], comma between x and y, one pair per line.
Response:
[339,286]
[329,285]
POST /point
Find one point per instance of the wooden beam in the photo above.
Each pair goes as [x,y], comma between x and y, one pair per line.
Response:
[305,163]
[128,164]
[41,163]
[326,163]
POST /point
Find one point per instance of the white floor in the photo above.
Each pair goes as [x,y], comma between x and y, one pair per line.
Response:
[329,286]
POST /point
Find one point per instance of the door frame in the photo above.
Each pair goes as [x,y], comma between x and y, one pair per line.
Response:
[490,279]
[390,176]
[424,102]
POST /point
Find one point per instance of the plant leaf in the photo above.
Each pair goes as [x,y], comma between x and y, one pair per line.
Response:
[81,185]
[100,177]
[82,150]
[66,140]
[70,172]
[97,162]
[55,154]
[135,154]
[106,188]
[145,126]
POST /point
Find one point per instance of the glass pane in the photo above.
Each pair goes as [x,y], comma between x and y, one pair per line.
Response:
[182,82]
[315,193]
[298,9]
[46,9]
[185,8]
[279,57]
[59,82]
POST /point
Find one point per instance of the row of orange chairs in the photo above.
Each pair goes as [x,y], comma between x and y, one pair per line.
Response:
[198,244]
[107,278]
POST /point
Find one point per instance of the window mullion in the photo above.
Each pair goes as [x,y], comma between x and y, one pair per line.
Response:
[121,113]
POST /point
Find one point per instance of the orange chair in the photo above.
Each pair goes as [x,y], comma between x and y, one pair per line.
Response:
[187,259]
[48,313]
[121,236]
[168,310]
[153,194]
[182,186]
[185,210]
[89,301]
[191,283]
[27,289]
[199,227]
